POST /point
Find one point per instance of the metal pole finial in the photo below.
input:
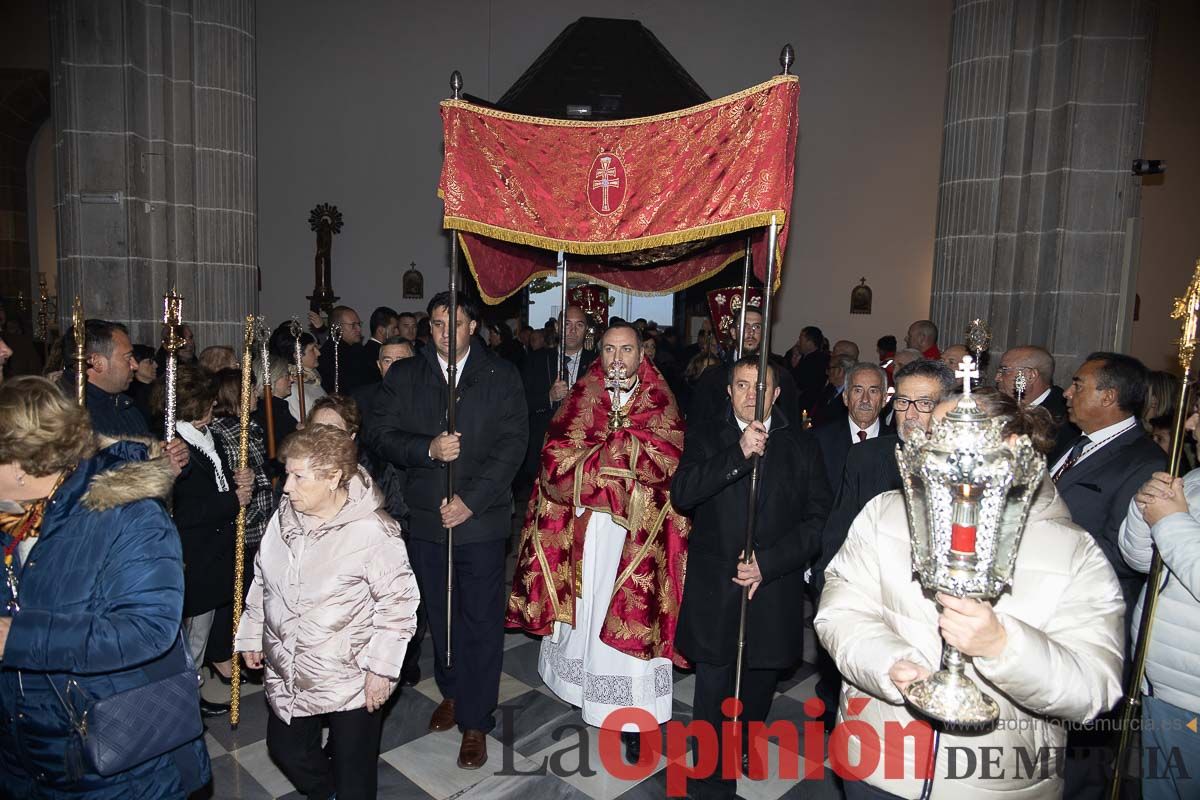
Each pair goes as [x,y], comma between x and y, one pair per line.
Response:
[787,57]
[456,84]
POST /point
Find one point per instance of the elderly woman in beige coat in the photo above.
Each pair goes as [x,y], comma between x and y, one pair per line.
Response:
[1048,651]
[329,615]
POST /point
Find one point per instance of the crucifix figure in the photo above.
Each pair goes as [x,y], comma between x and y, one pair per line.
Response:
[968,372]
[606,178]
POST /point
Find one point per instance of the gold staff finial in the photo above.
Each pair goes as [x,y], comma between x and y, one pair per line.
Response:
[1187,308]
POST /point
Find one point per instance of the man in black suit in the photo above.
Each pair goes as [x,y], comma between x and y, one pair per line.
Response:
[408,428]
[870,471]
[390,479]
[354,368]
[713,483]
[545,389]
[385,324]
[808,361]
[833,405]
[1114,456]
[863,395]
[1097,477]
[1037,366]
[710,398]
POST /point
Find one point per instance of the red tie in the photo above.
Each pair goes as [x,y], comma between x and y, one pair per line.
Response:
[862,436]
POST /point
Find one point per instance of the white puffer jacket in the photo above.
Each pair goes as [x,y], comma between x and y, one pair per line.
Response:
[330,604]
[1062,661]
[1173,663]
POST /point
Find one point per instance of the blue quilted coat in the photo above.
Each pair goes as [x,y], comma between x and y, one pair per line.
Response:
[101,594]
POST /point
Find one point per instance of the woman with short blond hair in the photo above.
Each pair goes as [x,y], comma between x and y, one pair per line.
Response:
[90,600]
[329,615]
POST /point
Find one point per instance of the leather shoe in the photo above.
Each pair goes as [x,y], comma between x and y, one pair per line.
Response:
[473,753]
[443,717]
[633,746]
[208,709]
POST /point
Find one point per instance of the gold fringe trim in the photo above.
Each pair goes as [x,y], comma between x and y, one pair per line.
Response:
[759,219]
[645,548]
[620,123]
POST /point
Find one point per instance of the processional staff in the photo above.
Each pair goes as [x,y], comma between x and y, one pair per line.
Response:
[456,84]
[297,331]
[80,326]
[239,541]
[264,335]
[1187,309]
[562,320]
[335,333]
[173,322]
[786,58]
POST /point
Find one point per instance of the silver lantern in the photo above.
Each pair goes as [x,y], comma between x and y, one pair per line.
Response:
[968,494]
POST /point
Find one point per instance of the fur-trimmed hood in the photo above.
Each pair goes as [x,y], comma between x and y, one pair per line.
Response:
[130,470]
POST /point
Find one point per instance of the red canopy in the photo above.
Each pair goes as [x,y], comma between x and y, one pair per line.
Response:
[649,205]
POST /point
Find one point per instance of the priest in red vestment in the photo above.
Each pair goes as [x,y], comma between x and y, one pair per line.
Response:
[602,557]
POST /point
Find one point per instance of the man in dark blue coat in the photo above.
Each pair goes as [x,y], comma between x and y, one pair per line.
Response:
[408,427]
[110,368]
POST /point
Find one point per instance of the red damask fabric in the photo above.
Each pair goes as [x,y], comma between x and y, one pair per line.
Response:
[626,473]
[651,205]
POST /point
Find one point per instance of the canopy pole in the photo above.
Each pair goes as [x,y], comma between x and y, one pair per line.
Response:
[741,337]
[456,84]
[562,320]
[760,402]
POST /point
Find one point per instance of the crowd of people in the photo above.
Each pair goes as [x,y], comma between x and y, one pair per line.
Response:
[626,457]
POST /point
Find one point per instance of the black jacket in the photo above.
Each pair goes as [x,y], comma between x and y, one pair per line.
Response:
[831,409]
[870,471]
[810,376]
[1098,490]
[835,443]
[493,420]
[113,415]
[538,375]
[388,477]
[206,519]
[709,403]
[713,484]
[355,367]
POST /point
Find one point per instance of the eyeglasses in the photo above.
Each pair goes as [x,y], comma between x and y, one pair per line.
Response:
[924,405]
[1014,368]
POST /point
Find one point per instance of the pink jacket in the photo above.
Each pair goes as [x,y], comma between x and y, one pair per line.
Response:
[330,604]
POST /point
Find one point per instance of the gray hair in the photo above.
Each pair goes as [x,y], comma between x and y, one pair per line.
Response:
[928,368]
[842,362]
[865,366]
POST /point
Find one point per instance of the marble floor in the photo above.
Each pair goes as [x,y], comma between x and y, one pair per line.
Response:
[541,748]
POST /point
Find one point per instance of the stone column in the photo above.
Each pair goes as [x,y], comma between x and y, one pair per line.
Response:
[154,106]
[24,106]
[1044,109]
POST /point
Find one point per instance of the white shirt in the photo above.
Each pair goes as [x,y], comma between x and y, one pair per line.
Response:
[1097,440]
[1041,398]
[744,425]
[572,366]
[445,365]
[872,431]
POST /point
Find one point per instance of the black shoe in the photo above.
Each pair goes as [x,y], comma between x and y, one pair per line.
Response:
[208,709]
[410,677]
[633,746]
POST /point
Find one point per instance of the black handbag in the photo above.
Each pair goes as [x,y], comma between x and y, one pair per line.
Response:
[118,732]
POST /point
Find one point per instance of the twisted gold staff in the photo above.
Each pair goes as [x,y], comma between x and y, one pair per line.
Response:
[239,540]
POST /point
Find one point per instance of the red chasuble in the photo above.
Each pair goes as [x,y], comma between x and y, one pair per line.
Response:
[626,473]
